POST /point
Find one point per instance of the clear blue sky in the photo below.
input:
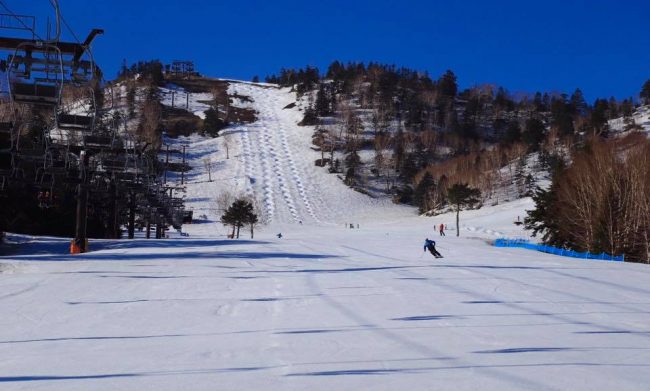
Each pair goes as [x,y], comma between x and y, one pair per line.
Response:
[603,47]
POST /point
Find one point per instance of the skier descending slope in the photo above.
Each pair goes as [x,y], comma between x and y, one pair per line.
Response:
[431,246]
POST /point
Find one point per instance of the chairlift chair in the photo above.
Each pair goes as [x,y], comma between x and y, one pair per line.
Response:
[74,122]
[36,78]
[99,141]
[36,94]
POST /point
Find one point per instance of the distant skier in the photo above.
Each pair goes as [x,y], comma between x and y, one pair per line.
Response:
[279,236]
[431,246]
[442,230]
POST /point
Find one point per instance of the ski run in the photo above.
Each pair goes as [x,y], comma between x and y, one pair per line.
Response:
[325,307]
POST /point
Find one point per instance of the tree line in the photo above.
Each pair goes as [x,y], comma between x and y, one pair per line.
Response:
[600,202]
[428,134]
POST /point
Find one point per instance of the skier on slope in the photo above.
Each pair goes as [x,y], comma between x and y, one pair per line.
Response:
[431,246]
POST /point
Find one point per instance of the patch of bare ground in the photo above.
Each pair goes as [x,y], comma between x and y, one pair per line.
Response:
[180,122]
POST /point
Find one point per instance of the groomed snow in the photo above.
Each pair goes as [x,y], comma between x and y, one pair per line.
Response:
[325,307]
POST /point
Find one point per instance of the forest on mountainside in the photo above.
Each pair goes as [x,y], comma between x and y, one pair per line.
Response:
[427,134]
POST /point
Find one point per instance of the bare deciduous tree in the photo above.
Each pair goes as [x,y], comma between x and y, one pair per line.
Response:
[207,163]
[227,141]
[603,199]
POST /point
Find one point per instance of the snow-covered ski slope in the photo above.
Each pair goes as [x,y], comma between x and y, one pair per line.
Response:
[272,161]
[323,308]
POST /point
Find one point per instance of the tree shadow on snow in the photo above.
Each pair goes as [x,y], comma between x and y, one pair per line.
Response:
[181,256]
[523,350]
[56,249]
[26,247]
[345,270]
[15,379]
[426,317]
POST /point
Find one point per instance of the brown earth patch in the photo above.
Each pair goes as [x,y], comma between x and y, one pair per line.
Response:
[219,88]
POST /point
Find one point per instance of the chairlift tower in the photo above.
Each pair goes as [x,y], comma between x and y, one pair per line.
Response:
[37,69]
[106,168]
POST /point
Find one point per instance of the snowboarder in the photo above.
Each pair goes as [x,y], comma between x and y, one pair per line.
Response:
[431,246]
[442,230]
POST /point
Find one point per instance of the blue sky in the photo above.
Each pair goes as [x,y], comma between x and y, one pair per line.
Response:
[603,47]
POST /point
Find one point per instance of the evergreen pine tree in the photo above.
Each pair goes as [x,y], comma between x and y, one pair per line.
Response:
[322,106]
[578,103]
[310,118]
[645,93]
[513,133]
[562,114]
[423,191]
[534,133]
[409,168]
[212,124]
[538,102]
[353,162]
[447,84]
[599,117]
[239,214]
[542,220]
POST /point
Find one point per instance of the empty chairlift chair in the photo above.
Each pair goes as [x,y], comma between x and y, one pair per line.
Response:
[36,73]
[73,122]
[99,141]
[35,94]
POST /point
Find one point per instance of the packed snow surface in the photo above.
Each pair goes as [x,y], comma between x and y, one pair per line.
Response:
[325,307]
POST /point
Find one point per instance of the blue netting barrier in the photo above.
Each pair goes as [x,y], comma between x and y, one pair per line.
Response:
[522,243]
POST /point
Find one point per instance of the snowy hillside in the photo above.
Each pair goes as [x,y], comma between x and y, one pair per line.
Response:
[640,119]
[271,161]
[325,307]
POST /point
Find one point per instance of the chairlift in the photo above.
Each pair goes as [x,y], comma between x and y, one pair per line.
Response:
[100,141]
[41,85]
[37,69]
[82,123]
[74,122]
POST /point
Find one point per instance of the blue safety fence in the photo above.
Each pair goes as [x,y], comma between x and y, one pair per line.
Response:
[522,243]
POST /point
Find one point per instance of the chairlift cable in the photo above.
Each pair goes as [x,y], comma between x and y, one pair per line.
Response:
[65,23]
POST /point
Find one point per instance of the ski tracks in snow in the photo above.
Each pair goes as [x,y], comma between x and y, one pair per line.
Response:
[246,149]
[267,151]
